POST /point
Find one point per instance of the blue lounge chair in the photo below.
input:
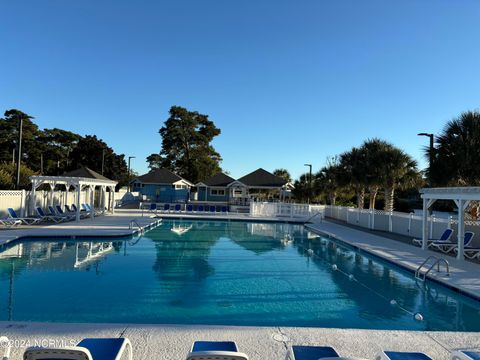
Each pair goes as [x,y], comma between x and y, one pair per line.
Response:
[153,208]
[91,209]
[465,355]
[471,252]
[447,234]
[41,214]
[87,349]
[166,208]
[449,246]
[200,208]
[25,220]
[60,212]
[301,352]
[396,355]
[189,208]
[178,207]
[72,211]
[212,208]
[54,212]
[224,209]
[224,350]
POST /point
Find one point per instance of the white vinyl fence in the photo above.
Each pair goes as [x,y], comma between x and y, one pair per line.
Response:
[269,209]
[19,200]
[407,224]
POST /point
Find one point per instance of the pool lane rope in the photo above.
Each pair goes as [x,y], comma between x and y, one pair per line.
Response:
[416,316]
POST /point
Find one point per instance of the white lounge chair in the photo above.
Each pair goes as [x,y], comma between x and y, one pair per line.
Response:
[9,223]
[224,350]
[25,220]
[447,247]
[5,347]
[397,355]
[87,349]
[447,234]
[465,355]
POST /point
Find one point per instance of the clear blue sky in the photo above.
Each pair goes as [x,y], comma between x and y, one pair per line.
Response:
[288,82]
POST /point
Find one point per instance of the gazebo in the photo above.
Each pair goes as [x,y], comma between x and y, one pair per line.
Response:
[462,196]
[80,179]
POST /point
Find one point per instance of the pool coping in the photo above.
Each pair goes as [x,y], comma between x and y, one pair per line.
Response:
[431,277]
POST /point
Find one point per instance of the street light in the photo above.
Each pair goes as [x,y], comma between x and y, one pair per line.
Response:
[309,182]
[129,158]
[431,136]
[19,155]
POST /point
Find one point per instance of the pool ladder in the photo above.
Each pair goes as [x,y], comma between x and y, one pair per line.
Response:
[134,222]
[436,261]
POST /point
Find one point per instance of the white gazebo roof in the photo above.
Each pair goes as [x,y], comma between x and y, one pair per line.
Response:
[451,193]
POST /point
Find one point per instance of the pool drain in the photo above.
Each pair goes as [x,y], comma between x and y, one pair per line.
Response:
[280,337]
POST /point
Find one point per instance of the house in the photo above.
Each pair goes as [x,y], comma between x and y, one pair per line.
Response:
[214,189]
[162,186]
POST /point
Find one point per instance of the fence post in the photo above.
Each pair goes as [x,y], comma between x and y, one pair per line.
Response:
[390,224]
[358,216]
[22,204]
[432,220]
[410,218]
[450,219]
[347,214]
[373,219]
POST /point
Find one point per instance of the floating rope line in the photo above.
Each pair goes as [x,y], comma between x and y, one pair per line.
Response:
[351,277]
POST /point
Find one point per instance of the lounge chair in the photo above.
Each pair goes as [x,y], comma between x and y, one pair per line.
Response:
[301,352]
[5,347]
[397,355]
[224,350]
[54,212]
[447,234]
[465,355]
[166,207]
[90,209]
[224,209]
[212,209]
[72,211]
[200,208]
[55,218]
[447,247]
[178,207]
[9,223]
[25,220]
[189,208]
[470,252]
[87,349]
[60,212]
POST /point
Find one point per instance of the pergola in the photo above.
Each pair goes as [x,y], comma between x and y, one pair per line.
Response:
[81,179]
[462,196]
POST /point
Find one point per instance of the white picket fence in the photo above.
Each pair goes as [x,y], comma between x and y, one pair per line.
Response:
[401,223]
[288,210]
[19,200]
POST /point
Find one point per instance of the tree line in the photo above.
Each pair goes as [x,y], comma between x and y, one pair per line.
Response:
[52,152]
[379,166]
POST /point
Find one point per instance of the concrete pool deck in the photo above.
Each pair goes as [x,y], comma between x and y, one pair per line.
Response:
[464,275]
[172,342]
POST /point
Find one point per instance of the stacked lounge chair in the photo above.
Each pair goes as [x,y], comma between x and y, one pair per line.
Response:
[49,217]
[447,234]
[224,350]
[450,246]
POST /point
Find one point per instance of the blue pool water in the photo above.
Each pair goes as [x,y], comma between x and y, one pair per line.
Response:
[233,273]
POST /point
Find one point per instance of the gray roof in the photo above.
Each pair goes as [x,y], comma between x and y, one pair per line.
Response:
[220,179]
[159,176]
[262,178]
[85,172]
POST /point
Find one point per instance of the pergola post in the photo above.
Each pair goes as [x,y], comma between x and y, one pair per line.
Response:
[424,224]
[112,199]
[33,196]
[461,228]
[77,200]
[92,201]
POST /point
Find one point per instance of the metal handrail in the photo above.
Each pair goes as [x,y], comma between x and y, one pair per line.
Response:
[311,217]
[422,276]
[134,222]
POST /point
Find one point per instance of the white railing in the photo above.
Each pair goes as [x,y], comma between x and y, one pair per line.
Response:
[401,223]
[287,210]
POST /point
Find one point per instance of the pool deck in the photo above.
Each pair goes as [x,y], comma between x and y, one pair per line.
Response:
[172,342]
[464,275]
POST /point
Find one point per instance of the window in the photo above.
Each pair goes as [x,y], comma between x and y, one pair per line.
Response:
[180,187]
[217,192]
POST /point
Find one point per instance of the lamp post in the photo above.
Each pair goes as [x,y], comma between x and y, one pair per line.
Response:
[19,154]
[430,160]
[129,158]
[309,182]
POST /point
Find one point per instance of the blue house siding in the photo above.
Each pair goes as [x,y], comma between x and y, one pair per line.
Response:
[210,197]
[162,193]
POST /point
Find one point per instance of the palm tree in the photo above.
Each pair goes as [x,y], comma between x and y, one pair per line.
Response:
[456,157]
[283,173]
[301,188]
[373,150]
[328,180]
[353,173]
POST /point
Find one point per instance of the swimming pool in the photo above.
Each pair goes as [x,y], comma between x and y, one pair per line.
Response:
[225,273]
